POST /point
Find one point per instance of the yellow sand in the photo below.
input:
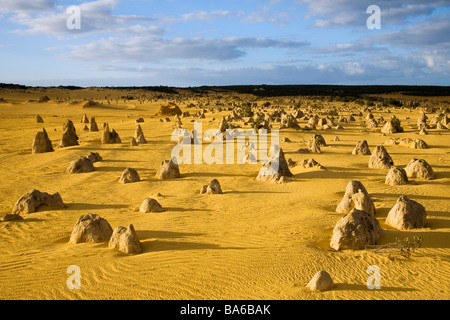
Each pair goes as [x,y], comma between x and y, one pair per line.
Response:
[255,241]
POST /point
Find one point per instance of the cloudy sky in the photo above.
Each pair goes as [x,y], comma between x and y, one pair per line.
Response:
[194,43]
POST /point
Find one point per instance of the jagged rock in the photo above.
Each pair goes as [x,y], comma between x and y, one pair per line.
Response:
[141,139]
[356,230]
[84,119]
[12,217]
[125,240]
[406,142]
[129,175]
[94,157]
[396,176]
[380,159]
[391,141]
[289,121]
[114,137]
[139,135]
[275,167]
[321,282]
[213,187]
[314,146]
[91,228]
[39,119]
[93,127]
[422,121]
[362,201]
[106,133]
[150,205]
[317,139]
[133,142]
[362,148]
[29,202]
[420,169]
[353,198]
[312,122]
[168,170]
[336,139]
[69,137]
[371,123]
[392,126]
[423,132]
[85,128]
[81,165]
[41,143]
[110,136]
[406,214]
[291,163]
[418,144]
[311,163]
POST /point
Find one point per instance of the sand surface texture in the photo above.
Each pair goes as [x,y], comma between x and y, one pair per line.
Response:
[257,240]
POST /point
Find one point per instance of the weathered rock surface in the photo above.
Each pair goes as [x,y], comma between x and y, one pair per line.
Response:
[380,159]
[29,202]
[348,201]
[419,169]
[407,214]
[168,170]
[321,282]
[213,187]
[356,230]
[80,165]
[129,175]
[125,240]
[150,205]
[41,143]
[91,228]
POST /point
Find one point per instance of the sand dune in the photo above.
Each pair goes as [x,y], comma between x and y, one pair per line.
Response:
[255,241]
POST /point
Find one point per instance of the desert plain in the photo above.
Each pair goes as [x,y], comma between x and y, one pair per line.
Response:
[257,240]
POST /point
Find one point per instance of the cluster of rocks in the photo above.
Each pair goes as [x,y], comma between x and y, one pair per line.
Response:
[305,163]
[110,136]
[138,137]
[359,227]
[29,202]
[276,168]
[95,229]
[213,187]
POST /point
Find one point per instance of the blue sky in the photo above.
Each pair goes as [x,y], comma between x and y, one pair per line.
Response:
[231,42]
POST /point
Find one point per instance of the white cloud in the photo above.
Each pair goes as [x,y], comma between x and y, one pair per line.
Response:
[267,14]
[197,16]
[96,17]
[387,70]
[350,13]
[26,5]
[153,49]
